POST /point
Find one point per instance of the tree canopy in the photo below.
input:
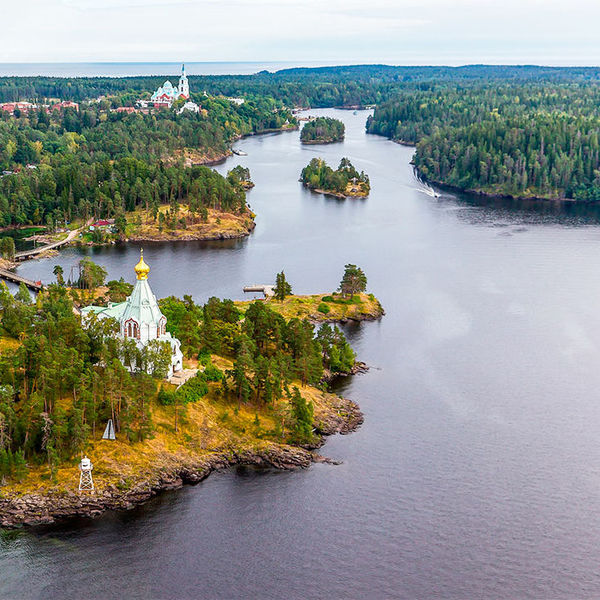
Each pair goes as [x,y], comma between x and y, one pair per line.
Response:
[323,130]
[353,281]
[318,175]
[536,139]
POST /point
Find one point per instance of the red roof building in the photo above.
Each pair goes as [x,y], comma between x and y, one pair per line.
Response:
[65,104]
[24,107]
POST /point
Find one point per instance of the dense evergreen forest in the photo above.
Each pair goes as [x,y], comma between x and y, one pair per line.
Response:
[316,87]
[60,382]
[345,180]
[518,139]
[322,130]
[94,162]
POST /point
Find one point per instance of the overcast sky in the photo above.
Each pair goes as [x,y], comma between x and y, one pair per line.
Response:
[335,31]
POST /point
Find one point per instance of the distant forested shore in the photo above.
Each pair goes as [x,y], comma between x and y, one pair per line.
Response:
[320,87]
[523,140]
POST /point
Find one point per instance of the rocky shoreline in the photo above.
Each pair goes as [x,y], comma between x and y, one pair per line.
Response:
[359,367]
[318,319]
[20,510]
[336,194]
[321,141]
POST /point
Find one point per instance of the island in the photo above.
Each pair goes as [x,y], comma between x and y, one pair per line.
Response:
[163,401]
[344,182]
[323,130]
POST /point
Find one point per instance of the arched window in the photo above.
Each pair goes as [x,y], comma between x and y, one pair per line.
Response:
[132,329]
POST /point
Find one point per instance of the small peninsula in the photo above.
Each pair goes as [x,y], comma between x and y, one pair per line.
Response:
[232,385]
[325,308]
[323,130]
[344,182]
[213,208]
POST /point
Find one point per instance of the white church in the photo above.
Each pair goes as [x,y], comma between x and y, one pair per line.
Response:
[140,317]
[167,93]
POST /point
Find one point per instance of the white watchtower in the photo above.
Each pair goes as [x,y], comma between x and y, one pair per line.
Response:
[86,483]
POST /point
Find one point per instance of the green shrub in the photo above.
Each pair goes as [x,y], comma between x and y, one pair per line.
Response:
[192,390]
[204,358]
[323,308]
[212,373]
[328,299]
[166,398]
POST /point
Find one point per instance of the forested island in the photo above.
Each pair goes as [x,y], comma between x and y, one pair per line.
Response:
[323,130]
[344,182]
[258,395]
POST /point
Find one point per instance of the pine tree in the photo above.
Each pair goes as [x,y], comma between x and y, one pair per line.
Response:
[20,468]
[302,414]
[58,272]
[282,287]
[353,281]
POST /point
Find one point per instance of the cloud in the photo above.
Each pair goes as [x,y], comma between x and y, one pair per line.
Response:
[350,31]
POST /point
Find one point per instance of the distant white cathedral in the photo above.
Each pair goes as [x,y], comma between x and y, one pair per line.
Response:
[140,317]
[166,94]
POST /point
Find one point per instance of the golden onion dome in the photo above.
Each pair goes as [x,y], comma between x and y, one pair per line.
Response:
[142,269]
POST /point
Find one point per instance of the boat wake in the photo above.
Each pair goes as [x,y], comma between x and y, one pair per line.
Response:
[427,189]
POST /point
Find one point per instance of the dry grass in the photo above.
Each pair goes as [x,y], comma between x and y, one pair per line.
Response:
[218,225]
[364,306]
[212,424]
[360,190]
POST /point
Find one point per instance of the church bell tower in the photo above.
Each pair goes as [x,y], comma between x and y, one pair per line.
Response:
[184,88]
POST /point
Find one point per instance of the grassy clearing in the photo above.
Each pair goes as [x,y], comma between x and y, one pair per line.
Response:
[323,307]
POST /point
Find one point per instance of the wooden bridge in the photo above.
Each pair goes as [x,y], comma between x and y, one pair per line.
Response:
[26,254]
[36,286]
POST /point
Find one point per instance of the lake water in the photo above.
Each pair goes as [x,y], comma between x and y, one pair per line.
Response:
[477,471]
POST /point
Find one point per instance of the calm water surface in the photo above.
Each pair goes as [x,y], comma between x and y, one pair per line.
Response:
[477,471]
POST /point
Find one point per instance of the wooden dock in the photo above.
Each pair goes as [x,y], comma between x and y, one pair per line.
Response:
[36,286]
[266,290]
